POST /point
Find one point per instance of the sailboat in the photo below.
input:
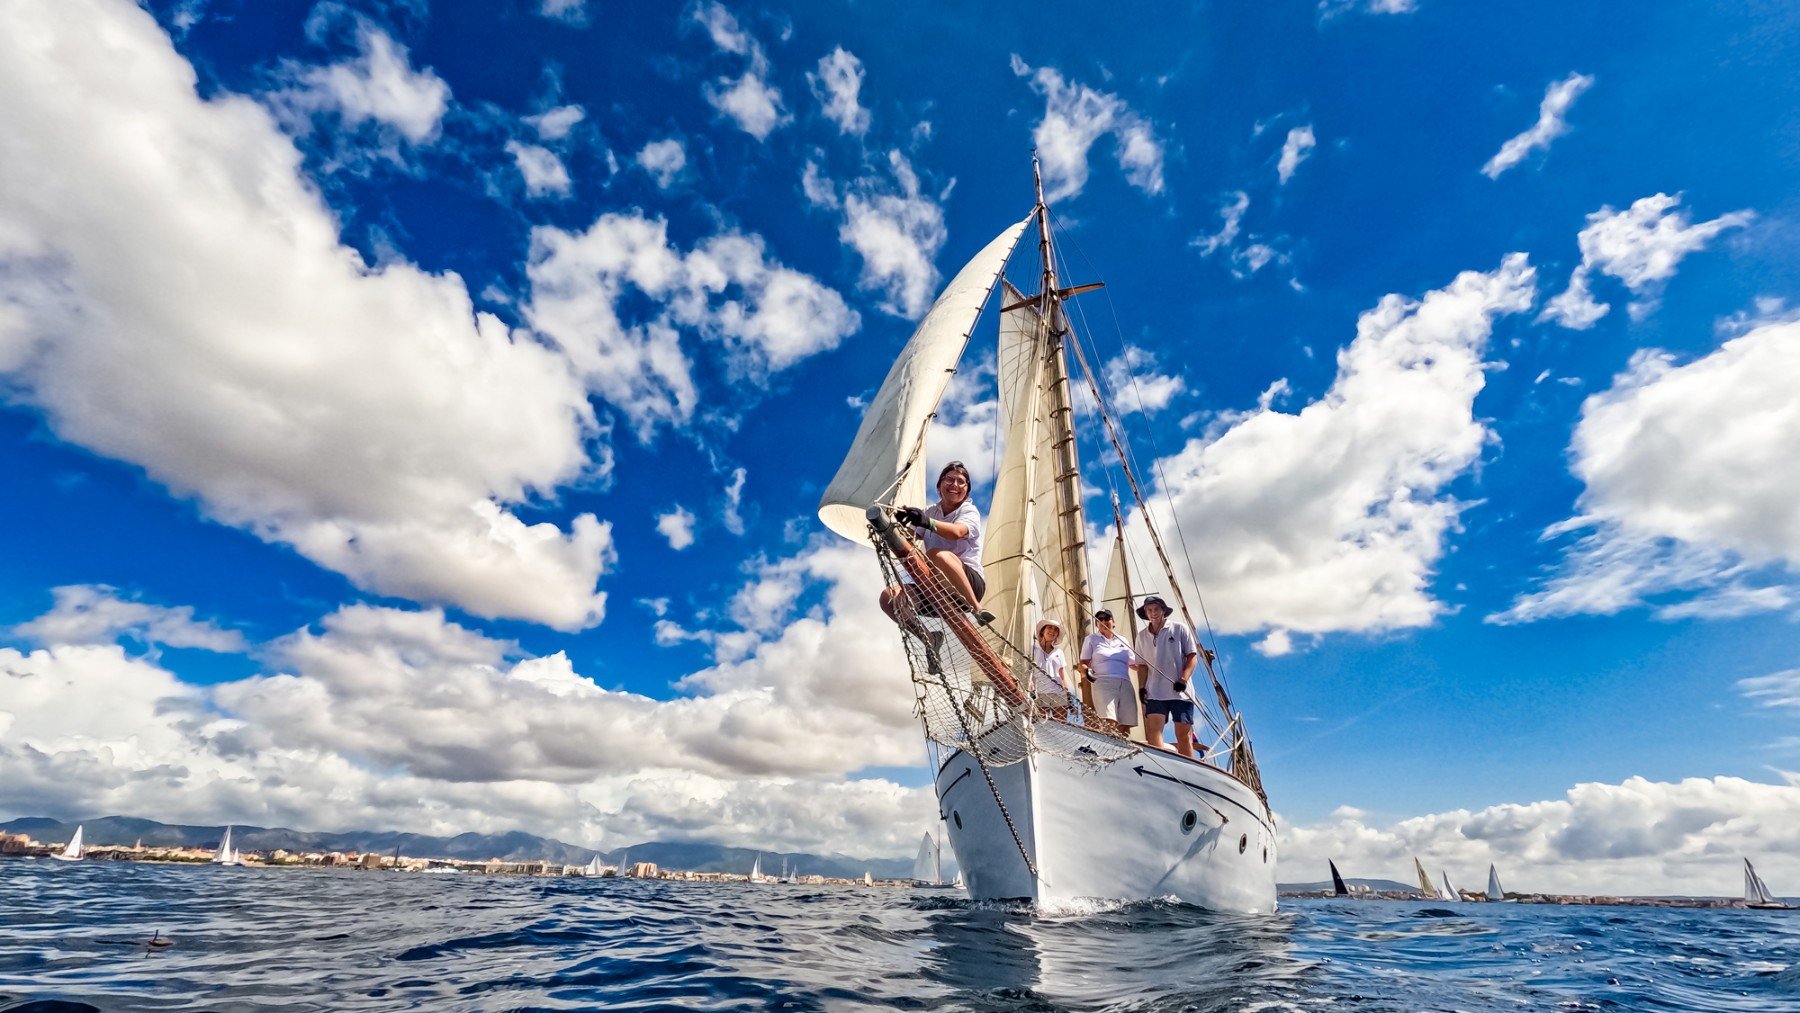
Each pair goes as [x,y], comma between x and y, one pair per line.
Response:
[1020,785]
[225,855]
[868,879]
[73,851]
[928,866]
[756,873]
[1338,888]
[1756,892]
[1493,891]
[593,867]
[1425,885]
[1450,893]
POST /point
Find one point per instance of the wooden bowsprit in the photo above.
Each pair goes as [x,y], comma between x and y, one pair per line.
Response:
[931,585]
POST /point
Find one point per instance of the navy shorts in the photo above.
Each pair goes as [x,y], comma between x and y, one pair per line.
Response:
[1179,711]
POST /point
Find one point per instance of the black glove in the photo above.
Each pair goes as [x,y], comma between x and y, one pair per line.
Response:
[911,516]
[1181,686]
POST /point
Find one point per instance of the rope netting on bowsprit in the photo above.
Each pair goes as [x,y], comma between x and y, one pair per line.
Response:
[972,686]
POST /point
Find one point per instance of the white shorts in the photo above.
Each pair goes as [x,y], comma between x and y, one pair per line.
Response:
[1116,700]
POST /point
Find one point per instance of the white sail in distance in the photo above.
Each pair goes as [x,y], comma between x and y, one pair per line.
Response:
[224,855]
[925,864]
[72,852]
[1493,891]
[1450,893]
[1755,890]
[885,463]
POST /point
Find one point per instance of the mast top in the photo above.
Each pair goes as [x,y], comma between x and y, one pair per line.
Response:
[1037,177]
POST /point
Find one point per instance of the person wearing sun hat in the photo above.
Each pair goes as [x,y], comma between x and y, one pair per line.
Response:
[1166,655]
[1106,663]
[1052,669]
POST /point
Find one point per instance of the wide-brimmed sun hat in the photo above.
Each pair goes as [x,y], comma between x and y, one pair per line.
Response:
[1038,631]
[1154,600]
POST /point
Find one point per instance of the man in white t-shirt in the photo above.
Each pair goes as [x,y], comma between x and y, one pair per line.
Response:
[1106,662]
[1166,657]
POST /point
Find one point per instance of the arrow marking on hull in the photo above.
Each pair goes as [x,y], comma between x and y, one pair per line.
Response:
[1143,772]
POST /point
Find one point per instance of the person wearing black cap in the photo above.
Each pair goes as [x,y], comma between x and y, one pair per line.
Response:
[1166,654]
[1106,663]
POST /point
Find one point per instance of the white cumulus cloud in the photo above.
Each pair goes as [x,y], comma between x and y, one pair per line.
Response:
[179,300]
[543,171]
[663,160]
[677,526]
[837,84]
[96,614]
[1688,497]
[726,289]
[1075,117]
[897,230]
[1641,246]
[378,85]
[748,100]
[1333,518]
[1294,150]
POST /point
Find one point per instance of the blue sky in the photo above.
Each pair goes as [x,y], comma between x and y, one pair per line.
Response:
[415,412]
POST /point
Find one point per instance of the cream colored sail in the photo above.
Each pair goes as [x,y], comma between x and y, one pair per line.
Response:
[1011,550]
[885,463]
[1425,884]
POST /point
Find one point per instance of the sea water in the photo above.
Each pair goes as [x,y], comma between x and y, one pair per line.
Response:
[74,936]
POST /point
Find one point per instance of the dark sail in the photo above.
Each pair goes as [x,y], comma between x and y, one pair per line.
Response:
[1337,881]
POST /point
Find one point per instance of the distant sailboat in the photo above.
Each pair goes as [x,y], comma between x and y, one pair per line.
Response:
[593,867]
[1425,886]
[624,869]
[756,873]
[73,851]
[225,855]
[1756,892]
[1338,889]
[928,867]
[1450,893]
[1493,891]
[868,880]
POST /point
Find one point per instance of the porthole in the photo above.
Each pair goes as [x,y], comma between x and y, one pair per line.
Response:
[1189,820]
[954,815]
[1243,842]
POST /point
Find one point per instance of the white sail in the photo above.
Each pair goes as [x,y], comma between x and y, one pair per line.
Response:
[885,463]
[1493,891]
[1755,890]
[1021,550]
[926,864]
[756,873]
[72,852]
[1450,893]
[593,867]
[225,856]
[868,880]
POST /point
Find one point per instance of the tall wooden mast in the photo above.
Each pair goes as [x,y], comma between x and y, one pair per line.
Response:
[1054,337]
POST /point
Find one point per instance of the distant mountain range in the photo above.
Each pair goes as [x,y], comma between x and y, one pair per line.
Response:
[124,831]
[1373,884]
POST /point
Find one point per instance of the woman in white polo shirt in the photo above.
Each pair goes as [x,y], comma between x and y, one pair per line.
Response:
[1106,661]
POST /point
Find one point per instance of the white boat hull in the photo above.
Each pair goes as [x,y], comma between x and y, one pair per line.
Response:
[1149,826]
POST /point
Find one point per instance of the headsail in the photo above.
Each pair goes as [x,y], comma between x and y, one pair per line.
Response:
[885,463]
[1338,886]
[1755,890]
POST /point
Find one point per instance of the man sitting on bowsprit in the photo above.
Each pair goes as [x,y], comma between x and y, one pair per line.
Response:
[1167,654]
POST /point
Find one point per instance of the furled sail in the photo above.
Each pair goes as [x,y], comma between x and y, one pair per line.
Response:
[1425,886]
[885,462]
[1755,890]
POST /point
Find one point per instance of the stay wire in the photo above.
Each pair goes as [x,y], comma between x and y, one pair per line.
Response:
[1156,458]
